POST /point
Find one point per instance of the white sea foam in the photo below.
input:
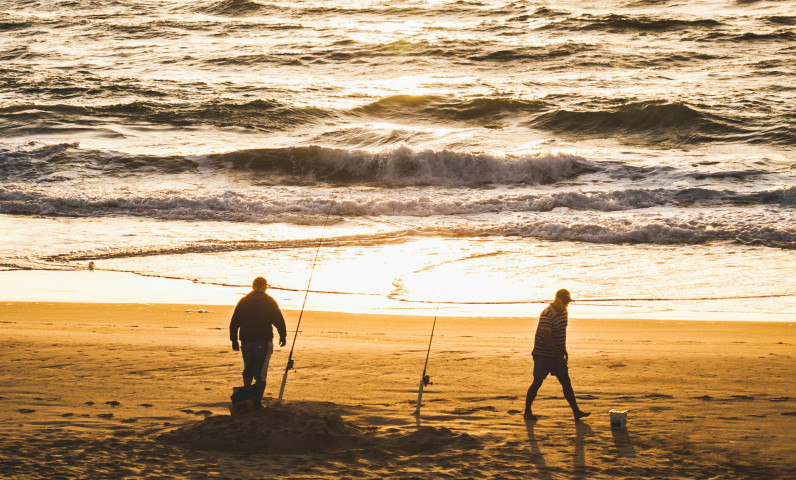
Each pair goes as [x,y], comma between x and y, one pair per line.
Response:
[632,216]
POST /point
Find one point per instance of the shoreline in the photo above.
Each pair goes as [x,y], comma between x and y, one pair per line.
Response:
[391,318]
[101,286]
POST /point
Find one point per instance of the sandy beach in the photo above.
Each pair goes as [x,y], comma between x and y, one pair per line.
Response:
[135,390]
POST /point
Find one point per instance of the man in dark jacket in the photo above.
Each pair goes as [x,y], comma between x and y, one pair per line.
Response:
[254,316]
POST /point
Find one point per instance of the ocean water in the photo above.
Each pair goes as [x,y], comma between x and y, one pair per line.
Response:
[476,155]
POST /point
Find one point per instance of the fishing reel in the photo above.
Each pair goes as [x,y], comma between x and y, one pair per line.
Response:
[426,380]
[289,365]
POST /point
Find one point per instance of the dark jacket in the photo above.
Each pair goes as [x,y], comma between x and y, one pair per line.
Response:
[254,315]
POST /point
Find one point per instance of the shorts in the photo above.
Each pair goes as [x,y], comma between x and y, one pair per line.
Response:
[543,366]
[256,357]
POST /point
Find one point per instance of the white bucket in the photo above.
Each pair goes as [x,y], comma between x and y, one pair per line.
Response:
[618,418]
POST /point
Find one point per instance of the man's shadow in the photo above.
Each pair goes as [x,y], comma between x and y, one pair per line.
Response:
[536,454]
[582,430]
[623,442]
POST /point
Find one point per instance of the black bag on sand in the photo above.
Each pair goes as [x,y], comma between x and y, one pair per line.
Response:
[244,399]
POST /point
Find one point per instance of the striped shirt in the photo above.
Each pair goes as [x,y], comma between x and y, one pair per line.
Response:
[555,321]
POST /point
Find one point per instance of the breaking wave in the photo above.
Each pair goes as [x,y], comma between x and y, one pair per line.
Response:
[260,205]
[651,231]
[393,167]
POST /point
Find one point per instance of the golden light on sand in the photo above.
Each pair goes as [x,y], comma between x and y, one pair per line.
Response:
[167,370]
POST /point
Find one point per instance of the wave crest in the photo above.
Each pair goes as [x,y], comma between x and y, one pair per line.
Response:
[646,122]
[403,166]
[654,120]
[672,232]
[257,205]
[235,8]
[624,23]
[257,114]
[392,167]
[447,108]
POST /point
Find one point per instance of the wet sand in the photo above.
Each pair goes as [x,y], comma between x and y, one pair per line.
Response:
[108,391]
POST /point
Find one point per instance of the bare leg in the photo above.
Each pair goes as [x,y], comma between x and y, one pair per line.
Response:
[247,380]
[531,396]
[569,394]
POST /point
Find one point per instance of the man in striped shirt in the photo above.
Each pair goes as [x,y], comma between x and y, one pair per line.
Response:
[550,354]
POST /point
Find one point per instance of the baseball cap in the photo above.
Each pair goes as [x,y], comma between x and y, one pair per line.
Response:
[563,294]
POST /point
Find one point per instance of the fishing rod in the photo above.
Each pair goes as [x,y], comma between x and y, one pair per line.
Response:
[289,364]
[424,379]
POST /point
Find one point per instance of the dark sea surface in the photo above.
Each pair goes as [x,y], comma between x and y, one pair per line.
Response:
[481,154]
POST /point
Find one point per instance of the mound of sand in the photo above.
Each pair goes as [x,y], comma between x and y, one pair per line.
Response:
[274,429]
[291,429]
[429,440]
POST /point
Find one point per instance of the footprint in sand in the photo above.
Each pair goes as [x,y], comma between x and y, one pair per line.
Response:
[145,405]
[470,411]
[789,414]
[113,403]
[129,420]
[105,415]
[26,410]
[660,409]
[89,403]
[67,414]
[658,396]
